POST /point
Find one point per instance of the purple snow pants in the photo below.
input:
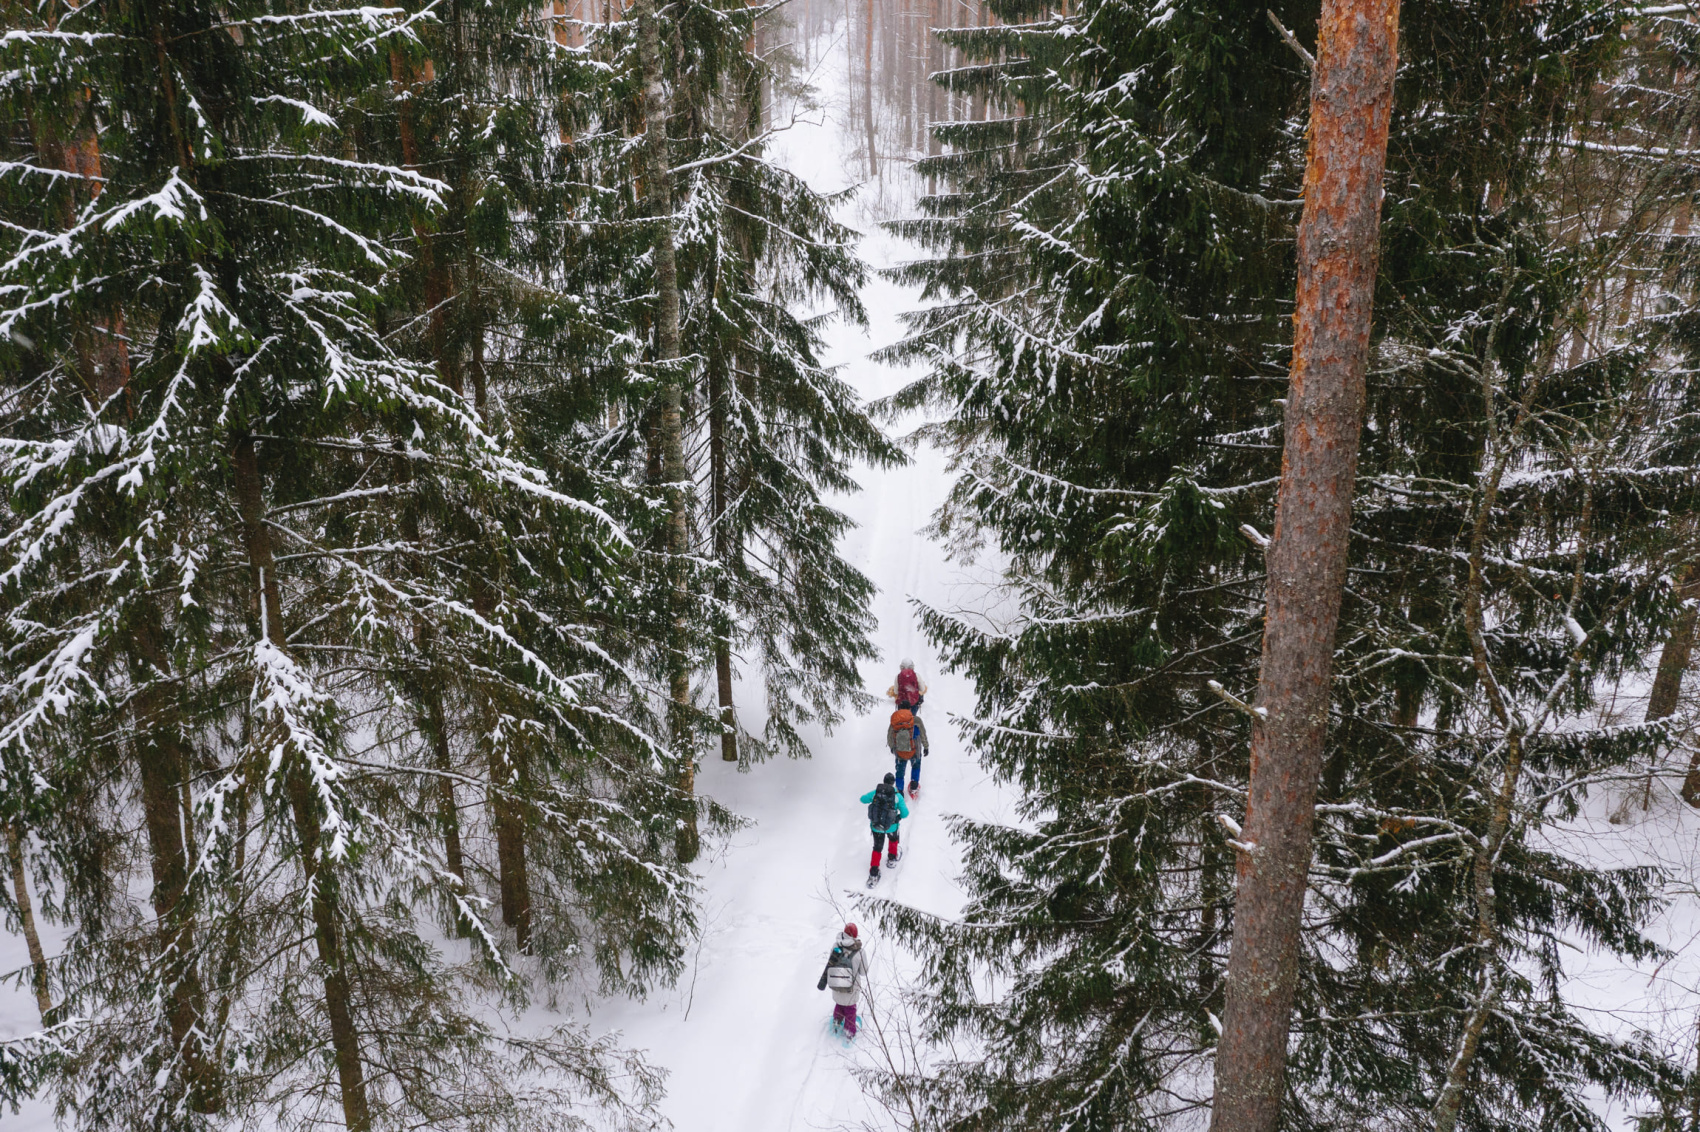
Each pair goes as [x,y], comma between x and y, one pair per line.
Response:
[846,1015]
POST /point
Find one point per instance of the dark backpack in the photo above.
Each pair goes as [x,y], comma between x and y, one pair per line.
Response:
[882,811]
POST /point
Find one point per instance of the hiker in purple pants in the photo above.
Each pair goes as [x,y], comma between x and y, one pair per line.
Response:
[845,969]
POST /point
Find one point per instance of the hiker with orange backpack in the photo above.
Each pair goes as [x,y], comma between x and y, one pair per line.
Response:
[906,739]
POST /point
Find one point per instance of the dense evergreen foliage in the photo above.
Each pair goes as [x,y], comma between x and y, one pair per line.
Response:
[1112,264]
[768,431]
[417,455]
[334,600]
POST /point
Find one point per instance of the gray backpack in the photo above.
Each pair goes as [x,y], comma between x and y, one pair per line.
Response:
[840,975]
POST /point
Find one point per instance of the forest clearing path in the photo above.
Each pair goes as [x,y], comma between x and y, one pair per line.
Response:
[744,1036]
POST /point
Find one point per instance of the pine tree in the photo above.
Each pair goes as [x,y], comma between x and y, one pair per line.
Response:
[1339,237]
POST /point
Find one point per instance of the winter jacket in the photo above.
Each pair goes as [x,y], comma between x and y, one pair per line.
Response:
[902,810]
[921,743]
[858,968]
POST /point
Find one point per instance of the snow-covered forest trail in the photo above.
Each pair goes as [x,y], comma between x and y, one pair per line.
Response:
[743,1036]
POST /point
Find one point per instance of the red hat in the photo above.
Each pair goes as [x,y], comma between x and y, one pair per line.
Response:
[850,930]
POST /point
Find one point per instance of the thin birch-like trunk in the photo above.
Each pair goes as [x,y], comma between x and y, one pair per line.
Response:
[868,92]
[1499,452]
[658,189]
[26,918]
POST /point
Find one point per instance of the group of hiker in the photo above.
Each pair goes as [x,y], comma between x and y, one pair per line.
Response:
[906,739]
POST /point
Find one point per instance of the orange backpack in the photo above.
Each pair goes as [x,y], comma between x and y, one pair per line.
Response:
[903,722]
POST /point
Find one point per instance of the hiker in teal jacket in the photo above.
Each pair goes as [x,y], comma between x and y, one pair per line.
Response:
[886,809]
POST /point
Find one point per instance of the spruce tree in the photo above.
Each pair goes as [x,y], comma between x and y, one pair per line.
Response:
[783,431]
[764,430]
[231,508]
[490,100]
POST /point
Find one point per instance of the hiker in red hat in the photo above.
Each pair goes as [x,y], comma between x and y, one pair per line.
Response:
[846,967]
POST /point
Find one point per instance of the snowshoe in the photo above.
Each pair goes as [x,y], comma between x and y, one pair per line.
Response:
[914,791]
[873,877]
[891,861]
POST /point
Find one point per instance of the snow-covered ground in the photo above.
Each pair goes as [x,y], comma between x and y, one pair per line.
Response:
[1660,997]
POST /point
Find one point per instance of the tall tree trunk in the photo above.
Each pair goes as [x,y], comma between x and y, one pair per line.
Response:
[436,723]
[1444,1117]
[439,284]
[935,64]
[719,397]
[164,769]
[658,189]
[1674,660]
[321,883]
[1497,456]
[1212,887]
[868,92]
[230,955]
[448,811]
[980,108]
[103,358]
[1351,98]
[162,763]
[26,919]
[507,788]
[506,769]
